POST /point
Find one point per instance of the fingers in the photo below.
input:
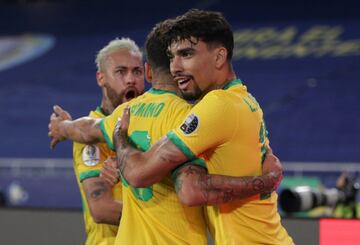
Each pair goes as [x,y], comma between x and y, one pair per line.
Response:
[120,136]
[111,162]
[61,113]
[125,119]
[118,125]
[269,150]
[109,174]
[53,116]
[53,143]
[58,110]
[108,179]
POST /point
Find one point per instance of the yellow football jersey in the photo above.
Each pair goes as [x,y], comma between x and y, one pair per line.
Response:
[154,215]
[226,127]
[88,160]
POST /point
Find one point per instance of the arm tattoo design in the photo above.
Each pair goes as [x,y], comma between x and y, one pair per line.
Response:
[217,189]
[228,195]
[122,160]
[258,185]
[98,188]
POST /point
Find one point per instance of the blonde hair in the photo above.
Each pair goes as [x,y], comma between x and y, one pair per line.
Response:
[115,45]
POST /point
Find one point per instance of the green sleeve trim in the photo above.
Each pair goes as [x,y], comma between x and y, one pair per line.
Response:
[198,162]
[106,136]
[180,144]
[89,174]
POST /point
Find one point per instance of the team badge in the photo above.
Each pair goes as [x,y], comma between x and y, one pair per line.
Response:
[91,155]
[190,125]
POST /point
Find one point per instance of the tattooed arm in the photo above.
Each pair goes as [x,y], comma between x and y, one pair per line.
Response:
[83,130]
[142,169]
[195,187]
[103,208]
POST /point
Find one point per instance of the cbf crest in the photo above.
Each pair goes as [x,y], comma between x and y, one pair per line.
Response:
[191,124]
[91,155]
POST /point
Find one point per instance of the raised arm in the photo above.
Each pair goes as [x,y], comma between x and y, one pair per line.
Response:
[83,130]
[142,169]
[195,187]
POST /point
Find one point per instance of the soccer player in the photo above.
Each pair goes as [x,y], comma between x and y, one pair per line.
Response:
[225,127]
[152,215]
[120,75]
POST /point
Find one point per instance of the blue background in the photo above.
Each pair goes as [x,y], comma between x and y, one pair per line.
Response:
[306,123]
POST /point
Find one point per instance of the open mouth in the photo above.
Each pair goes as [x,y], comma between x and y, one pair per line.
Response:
[183,83]
[130,94]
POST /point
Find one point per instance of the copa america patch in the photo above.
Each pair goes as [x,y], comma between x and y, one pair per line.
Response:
[190,125]
[91,155]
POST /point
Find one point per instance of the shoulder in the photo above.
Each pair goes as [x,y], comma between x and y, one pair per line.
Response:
[120,109]
[87,155]
[214,100]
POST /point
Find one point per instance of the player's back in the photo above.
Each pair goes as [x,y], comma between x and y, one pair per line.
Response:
[154,215]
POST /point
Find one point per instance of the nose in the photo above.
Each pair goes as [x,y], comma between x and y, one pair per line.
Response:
[130,79]
[176,66]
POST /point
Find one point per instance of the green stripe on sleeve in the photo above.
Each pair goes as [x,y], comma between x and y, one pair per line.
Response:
[180,144]
[198,162]
[106,136]
[89,174]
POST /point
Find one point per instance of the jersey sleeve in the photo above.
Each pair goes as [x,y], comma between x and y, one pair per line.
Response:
[210,123]
[88,160]
[108,124]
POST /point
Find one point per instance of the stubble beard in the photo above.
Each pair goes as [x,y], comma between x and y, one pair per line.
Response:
[115,98]
[192,95]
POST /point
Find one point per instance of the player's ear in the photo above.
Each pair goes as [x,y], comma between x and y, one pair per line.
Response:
[220,56]
[148,72]
[100,78]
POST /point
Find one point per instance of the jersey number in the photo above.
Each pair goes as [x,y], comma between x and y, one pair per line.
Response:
[141,140]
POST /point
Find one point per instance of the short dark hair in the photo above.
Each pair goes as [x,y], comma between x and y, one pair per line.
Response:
[207,26]
[156,47]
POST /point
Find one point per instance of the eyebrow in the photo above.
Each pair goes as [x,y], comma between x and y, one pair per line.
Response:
[184,50]
[121,67]
[127,67]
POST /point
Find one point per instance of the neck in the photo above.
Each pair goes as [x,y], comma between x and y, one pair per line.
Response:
[164,86]
[165,82]
[106,105]
[231,76]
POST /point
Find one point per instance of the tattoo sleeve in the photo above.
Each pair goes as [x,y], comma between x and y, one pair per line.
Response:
[216,189]
[142,169]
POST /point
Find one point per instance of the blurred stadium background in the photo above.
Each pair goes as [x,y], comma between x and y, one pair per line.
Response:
[300,59]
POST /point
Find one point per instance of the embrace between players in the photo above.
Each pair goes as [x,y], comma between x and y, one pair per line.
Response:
[184,168]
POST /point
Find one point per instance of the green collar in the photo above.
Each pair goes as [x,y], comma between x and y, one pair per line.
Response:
[100,110]
[160,91]
[232,83]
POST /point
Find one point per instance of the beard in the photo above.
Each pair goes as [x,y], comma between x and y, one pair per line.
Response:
[125,95]
[192,95]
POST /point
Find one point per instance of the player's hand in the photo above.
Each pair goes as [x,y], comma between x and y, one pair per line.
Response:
[273,168]
[120,136]
[109,171]
[57,117]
